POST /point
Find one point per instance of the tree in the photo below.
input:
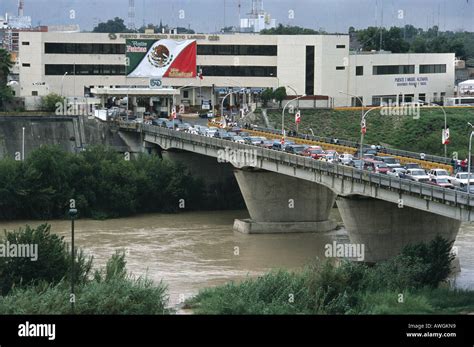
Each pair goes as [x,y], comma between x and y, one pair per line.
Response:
[52,262]
[418,45]
[266,96]
[288,30]
[50,101]
[5,65]
[280,94]
[115,25]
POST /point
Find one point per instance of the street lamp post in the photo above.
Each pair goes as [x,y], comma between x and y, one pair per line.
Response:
[283,114]
[445,126]
[362,133]
[361,120]
[62,83]
[23,145]
[72,215]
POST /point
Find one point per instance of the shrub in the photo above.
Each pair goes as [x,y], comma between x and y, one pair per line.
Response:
[113,292]
[53,263]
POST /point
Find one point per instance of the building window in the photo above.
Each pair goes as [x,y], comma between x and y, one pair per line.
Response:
[340,46]
[422,97]
[357,102]
[34,93]
[393,69]
[85,70]
[409,97]
[359,71]
[240,71]
[434,68]
[185,94]
[83,48]
[340,67]
[380,100]
[25,43]
[309,88]
[26,65]
[263,50]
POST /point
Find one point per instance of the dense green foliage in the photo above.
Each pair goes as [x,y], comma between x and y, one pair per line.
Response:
[288,30]
[417,40]
[111,291]
[5,65]
[103,184]
[52,265]
[421,135]
[350,288]
[50,101]
[116,25]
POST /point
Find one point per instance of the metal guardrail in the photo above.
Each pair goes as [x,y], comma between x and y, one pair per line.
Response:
[445,195]
[347,143]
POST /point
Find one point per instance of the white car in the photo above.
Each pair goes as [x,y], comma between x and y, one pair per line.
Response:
[439,173]
[346,158]
[418,175]
[461,179]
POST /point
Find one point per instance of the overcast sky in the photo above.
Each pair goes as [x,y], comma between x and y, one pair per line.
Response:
[208,15]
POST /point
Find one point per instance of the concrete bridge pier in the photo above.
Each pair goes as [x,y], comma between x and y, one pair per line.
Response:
[385,228]
[283,204]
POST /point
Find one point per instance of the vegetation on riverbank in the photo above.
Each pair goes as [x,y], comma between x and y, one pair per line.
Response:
[411,283]
[43,286]
[103,184]
[421,135]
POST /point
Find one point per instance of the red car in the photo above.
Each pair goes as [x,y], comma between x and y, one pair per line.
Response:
[441,182]
[314,152]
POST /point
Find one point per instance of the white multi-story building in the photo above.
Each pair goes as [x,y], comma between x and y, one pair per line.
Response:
[77,64]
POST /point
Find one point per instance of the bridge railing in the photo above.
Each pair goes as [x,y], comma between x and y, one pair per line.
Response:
[424,190]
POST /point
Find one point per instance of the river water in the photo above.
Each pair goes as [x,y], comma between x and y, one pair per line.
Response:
[190,251]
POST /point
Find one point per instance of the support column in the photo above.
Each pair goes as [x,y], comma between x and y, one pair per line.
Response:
[283,204]
[384,228]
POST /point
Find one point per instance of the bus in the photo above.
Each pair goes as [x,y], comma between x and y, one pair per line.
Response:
[459,101]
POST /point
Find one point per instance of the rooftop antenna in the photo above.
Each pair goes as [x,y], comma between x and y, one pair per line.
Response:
[239,6]
[21,6]
[381,30]
[131,14]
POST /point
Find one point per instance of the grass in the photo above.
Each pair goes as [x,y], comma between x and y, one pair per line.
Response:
[411,283]
[421,135]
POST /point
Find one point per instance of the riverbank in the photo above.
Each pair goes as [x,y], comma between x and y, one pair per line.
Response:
[102,184]
[412,283]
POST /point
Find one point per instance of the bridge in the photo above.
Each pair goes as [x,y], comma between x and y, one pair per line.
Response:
[290,193]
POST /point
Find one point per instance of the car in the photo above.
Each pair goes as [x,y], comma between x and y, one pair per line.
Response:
[254,140]
[330,156]
[244,134]
[279,147]
[418,175]
[210,132]
[345,158]
[220,133]
[368,156]
[381,167]
[397,172]
[238,139]
[461,179]
[390,161]
[409,166]
[441,182]
[207,115]
[375,166]
[357,164]
[295,149]
[267,144]
[439,173]
[314,152]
